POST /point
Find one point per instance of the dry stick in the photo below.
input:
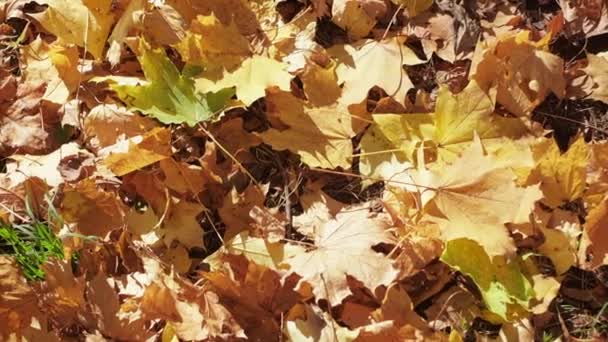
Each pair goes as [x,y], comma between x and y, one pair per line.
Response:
[333,327]
[390,24]
[444,307]
[576,122]
[241,167]
[165,211]
[286,194]
[373,178]
[238,163]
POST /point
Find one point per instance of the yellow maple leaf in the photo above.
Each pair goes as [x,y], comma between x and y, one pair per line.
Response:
[457,118]
[211,44]
[250,79]
[320,135]
[55,65]
[152,147]
[182,225]
[85,23]
[356,17]
[320,84]
[476,203]
[596,236]
[562,176]
[343,247]
[370,63]
[524,72]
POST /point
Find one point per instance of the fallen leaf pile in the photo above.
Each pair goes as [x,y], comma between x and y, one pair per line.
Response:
[306,170]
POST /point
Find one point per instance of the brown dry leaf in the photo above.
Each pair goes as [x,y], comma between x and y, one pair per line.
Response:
[369,63]
[62,294]
[295,43]
[181,177]
[138,152]
[597,174]
[236,207]
[254,295]
[126,22]
[178,257]
[455,303]
[343,248]
[205,318]
[194,313]
[258,250]
[159,301]
[597,69]
[398,308]
[232,137]
[523,70]
[477,203]
[320,135]
[108,315]
[18,302]
[316,325]
[150,187]
[164,25]
[13,198]
[415,253]
[309,322]
[108,123]
[93,210]
[27,123]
